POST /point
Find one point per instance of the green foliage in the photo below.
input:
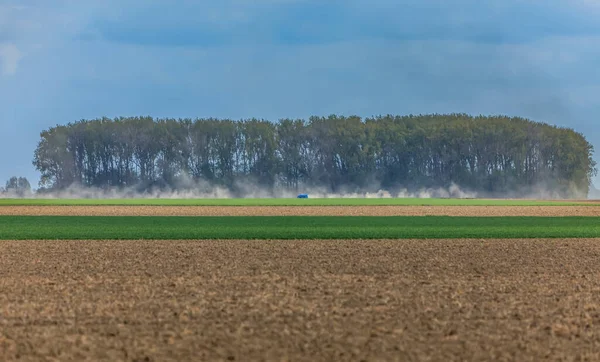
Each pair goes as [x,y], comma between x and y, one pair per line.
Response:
[491,155]
[293,227]
[18,186]
[290,202]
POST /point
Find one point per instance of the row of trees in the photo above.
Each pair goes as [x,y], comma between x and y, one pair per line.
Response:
[492,155]
[16,186]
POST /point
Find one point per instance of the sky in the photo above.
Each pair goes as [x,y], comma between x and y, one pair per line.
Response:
[66,60]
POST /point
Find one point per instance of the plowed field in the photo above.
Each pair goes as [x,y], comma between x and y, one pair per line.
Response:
[302,210]
[396,300]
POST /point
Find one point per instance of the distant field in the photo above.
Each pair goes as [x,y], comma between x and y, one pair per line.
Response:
[296,202]
[361,210]
[294,227]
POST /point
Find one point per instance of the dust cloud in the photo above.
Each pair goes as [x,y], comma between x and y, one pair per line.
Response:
[193,189]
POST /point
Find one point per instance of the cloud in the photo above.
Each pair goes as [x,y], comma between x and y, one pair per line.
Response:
[294,58]
[298,22]
[9,59]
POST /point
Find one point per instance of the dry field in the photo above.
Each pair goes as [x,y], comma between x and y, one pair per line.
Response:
[302,210]
[396,300]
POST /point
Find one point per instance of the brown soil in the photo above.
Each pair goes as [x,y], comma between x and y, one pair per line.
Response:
[436,300]
[302,210]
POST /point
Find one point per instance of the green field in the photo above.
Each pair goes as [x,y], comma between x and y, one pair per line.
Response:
[294,227]
[294,202]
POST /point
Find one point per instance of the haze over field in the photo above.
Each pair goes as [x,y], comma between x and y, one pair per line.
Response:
[62,61]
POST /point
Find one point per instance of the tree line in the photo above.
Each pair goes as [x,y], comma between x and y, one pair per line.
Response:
[493,155]
[16,186]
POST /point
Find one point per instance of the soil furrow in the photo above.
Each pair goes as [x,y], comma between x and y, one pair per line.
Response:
[343,300]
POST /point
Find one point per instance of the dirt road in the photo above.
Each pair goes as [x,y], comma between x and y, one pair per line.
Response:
[395,300]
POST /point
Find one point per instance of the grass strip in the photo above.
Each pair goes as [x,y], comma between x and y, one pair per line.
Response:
[293,202]
[294,227]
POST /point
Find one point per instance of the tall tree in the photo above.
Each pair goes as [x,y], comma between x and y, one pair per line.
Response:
[18,186]
[496,156]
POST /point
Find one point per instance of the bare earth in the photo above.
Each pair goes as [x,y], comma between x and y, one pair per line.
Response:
[393,300]
[302,210]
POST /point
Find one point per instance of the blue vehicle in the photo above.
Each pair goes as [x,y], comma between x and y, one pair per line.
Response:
[303,196]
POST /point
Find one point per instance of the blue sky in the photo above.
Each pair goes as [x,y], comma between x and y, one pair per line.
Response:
[62,61]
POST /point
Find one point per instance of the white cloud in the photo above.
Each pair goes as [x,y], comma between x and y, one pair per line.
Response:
[9,58]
